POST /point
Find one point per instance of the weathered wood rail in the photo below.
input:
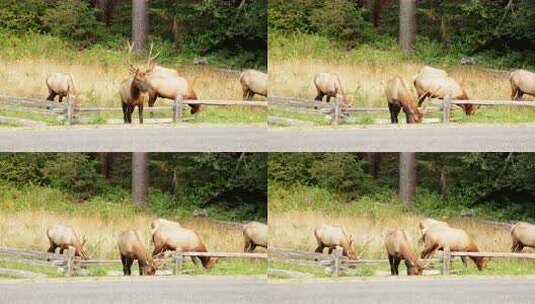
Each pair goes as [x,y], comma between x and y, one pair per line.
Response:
[70,111]
[71,263]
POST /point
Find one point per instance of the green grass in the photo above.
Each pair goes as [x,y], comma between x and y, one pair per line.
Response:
[48,119]
[49,271]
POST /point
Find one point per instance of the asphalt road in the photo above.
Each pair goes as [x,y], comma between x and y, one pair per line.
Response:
[257,138]
[134,291]
[429,291]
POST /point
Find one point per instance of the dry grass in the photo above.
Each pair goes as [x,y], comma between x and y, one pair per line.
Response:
[27,230]
[295,230]
[97,84]
[294,77]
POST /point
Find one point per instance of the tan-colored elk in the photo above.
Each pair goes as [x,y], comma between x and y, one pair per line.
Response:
[253,82]
[131,93]
[428,223]
[439,238]
[131,248]
[162,222]
[332,236]
[329,85]
[181,239]
[60,84]
[255,234]
[399,97]
[398,245]
[64,236]
[523,235]
[522,82]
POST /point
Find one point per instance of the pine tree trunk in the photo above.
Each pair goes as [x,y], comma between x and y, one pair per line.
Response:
[140,177]
[407,24]
[106,159]
[140,24]
[407,177]
[374,163]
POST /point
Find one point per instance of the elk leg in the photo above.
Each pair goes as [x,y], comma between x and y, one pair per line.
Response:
[60,98]
[129,263]
[140,111]
[245,94]
[319,97]
[251,95]
[130,111]
[396,265]
[421,99]
[319,249]
[140,266]
[61,250]
[253,246]
[51,96]
[391,109]
[328,98]
[247,246]
[519,94]
[427,252]
[395,113]
[331,249]
[463,259]
[517,246]
[125,110]
[194,108]
[152,101]
[391,262]
[52,248]
[123,261]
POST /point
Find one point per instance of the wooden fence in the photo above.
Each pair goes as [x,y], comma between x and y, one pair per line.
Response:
[70,111]
[71,263]
[337,112]
[335,263]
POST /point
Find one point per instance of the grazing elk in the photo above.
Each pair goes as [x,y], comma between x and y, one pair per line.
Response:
[130,244]
[332,236]
[255,234]
[428,223]
[329,85]
[523,235]
[163,222]
[398,245]
[399,97]
[63,236]
[432,83]
[522,82]
[439,238]
[253,82]
[61,85]
[181,239]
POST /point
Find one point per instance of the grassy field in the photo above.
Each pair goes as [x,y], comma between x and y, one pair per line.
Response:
[363,72]
[293,215]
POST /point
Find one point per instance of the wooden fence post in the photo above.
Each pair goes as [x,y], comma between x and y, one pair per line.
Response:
[177,110]
[337,111]
[179,258]
[446,107]
[337,261]
[446,261]
[70,271]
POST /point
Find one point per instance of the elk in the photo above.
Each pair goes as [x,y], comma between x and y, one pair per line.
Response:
[130,91]
[522,82]
[428,223]
[439,238]
[523,235]
[130,244]
[161,222]
[171,238]
[399,97]
[254,234]
[331,236]
[434,84]
[329,85]
[253,82]
[60,84]
[64,236]
[398,245]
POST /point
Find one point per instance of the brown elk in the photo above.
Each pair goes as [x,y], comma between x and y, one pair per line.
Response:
[181,239]
[63,236]
[399,97]
[432,83]
[398,245]
[131,94]
[329,85]
[522,82]
[61,85]
[430,223]
[523,235]
[332,236]
[253,82]
[130,244]
[162,222]
[439,238]
[255,234]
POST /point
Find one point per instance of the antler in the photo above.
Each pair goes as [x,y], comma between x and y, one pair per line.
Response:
[150,58]
[130,47]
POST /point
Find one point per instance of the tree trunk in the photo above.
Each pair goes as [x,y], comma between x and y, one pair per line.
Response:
[106,159]
[407,24]
[140,24]
[407,177]
[140,177]
[444,182]
[176,182]
[374,163]
[444,36]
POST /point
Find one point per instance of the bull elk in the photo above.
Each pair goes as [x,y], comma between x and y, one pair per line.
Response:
[60,84]
[130,91]
[522,82]
[254,235]
[439,238]
[329,85]
[63,236]
[173,238]
[398,245]
[130,245]
[253,82]
[523,235]
[399,97]
[332,236]
[434,83]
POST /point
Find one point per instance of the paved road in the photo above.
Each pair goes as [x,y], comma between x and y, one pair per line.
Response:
[212,138]
[134,291]
[429,291]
